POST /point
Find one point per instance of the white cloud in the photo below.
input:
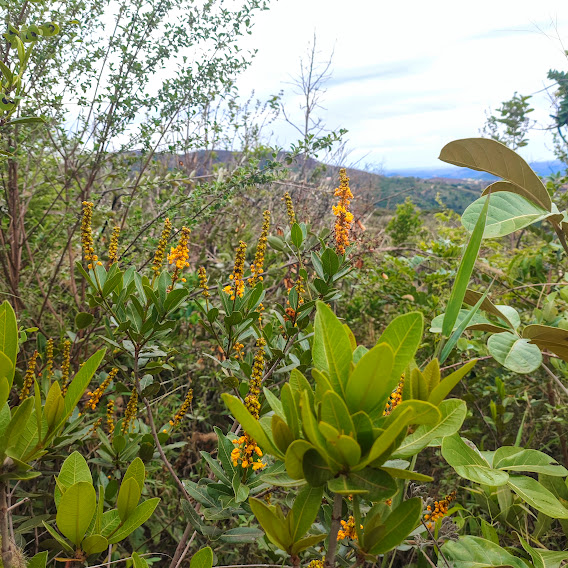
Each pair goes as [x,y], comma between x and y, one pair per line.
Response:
[410,76]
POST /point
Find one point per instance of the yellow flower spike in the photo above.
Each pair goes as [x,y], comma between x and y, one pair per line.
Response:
[161,249]
[343,217]
[49,359]
[440,510]
[255,383]
[348,529]
[131,411]
[395,398]
[110,416]
[113,246]
[289,208]
[179,255]
[316,563]
[95,426]
[65,366]
[183,409]
[202,275]
[257,266]
[30,374]
[95,397]
[238,286]
[87,234]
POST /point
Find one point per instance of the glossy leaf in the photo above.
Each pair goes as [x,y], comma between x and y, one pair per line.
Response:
[9,336]
[448,383]
[202,558]
[304,511]
[514,353]
[475,552]
[518,459]
[94,544]
[128,497]
[136,518]
[75,511]
[274,526]
[537,496]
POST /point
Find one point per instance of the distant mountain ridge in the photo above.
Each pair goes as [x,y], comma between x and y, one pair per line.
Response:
[543,169]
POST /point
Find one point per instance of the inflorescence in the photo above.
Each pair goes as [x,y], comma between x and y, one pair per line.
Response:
[439,510]
[183,409]
[347,529]
[113,246]
[395,398]
[29,378]
[162,244]
[180,254]
[289,208]
[257,267]
[202,275]
[87,235]
[95,396]
[131,411]
[341,211]
[237,288]
[65,366]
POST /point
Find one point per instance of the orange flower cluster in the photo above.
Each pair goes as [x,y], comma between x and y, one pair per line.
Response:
[344,217]
[87,235]
[347,529]
[162,244]
[238,347]
[439,511]
[95,396]
[30,374]
[183,409]
[238,286]
[257,266]
[395,398]
[180,254]
[247,453]
[113,246]
[255,384]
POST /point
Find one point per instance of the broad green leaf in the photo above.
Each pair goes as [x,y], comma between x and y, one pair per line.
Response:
[453,413]
[398,525]
[75,511]
[331,349]
[240,535]
[9,336]
[295,458]
[465,271]
[276,529]
[335,412]
[128,497]
[543,558]
[469,464]
[304,511]
[371,382]
[54,405]
[139,516]
[281,434]
[136,470]
[39,560]
[202,558]
[406,474]
[64,543]
[448,383]
[83,320]
[537,496]
[317,470]
[550,338]
[249,423]
[404,335]
[306,542]
[94,544]
[514,353]
[507,213]
[73,470]
[432,374]
[27,120]
[291,410]
[274,403]
[80,383]
[378,483]
[518,459]
[486,155]
[505,313]
[18,424]
[475,552]
[477,322]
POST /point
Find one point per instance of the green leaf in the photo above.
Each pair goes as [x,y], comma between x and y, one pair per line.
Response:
[240,535]
[73,470]
[490,156]
[447,384]
[453,413]
[275,527]
[128,497]
[507,213]
[39,560]
[94,544]
[54,405]
[75,511]
[6,368]
[398,525]
[371,382]
[316,469]
[518,459]
[137,471]
[138,561]
[9,336]
[83,320]
[331,349]
[249,424]
[469,464]
[80,383]
[543,558]
[537,496]
[18,424]
[304,511]
[136,518]
[475,552]
[295,457]
[465,270]
[202,559]
[335,412]
[403,335]
[379,484]
[297,236]
[305,543]
[64,544]
[514,353]
[26,120]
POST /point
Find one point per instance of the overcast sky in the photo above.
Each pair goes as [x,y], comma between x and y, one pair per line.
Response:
[410,76]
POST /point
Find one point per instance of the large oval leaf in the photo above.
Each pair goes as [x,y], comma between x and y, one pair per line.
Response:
[475,552]
[486,155]
[75,511]
[514,353]
[537,496]
[507,213]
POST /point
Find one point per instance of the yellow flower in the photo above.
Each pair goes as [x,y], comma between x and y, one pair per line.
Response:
[95,426]
[161,249]
[257,266]
[87,235]
[247,453]
[49,359]
[65,366]
[183,409]
[343,217]
[439,510]
[238,286]
[202,275]
[255,383]
[113,247]
[179,255]
[316,563]
[395,398]
[110,416]
[348,529]
[131,411]
[289,208]
[29,378]
[95,396]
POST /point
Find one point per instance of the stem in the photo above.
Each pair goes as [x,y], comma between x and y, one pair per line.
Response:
[335,524]
[4,526]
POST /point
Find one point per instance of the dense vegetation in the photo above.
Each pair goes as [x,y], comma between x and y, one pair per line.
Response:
[217,353]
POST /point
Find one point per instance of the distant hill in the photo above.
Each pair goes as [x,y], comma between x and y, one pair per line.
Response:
[543,169]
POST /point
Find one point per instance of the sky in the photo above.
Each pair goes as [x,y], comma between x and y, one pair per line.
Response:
[410,76]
